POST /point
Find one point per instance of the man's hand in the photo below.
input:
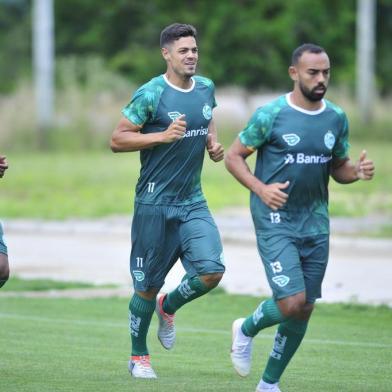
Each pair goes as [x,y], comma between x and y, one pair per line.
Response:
[3,165]
[214,149]
[175,131]
[364,167]
[272,194]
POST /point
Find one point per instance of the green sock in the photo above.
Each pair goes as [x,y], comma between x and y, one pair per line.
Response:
[187,291]
[186,276]
[287,340]
[267,314]
[140,313]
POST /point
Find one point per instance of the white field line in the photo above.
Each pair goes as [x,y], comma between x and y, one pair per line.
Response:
[123,325]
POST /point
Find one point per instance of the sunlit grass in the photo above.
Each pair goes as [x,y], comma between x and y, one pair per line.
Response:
[96,184]
[83,345]
[17,284]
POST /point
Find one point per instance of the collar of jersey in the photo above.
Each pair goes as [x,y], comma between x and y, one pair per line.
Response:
[178,88]
[310,112]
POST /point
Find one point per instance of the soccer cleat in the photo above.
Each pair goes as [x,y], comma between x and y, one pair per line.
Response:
[265,387]
[241,349]
[140,367]
[166,328]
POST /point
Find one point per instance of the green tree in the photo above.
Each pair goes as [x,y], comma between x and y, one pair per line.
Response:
[242,42]
[15,42]
[384,53]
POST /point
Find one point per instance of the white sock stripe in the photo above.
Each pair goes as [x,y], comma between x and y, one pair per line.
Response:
[186,330]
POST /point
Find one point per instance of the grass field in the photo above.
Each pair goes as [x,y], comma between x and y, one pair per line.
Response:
[94,184]
[82,345]
[17,284]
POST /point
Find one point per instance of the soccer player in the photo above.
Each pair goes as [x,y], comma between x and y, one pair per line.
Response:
[4,267]
[169,119]
[301,139]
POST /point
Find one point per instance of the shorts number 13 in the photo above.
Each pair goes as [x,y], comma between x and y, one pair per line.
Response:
[275,217]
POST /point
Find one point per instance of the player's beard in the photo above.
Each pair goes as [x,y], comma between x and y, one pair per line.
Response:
[190,71]
[312,95]
[184,72]
[189,74]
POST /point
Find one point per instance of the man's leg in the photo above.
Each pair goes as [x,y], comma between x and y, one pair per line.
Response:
[188,290]
[167,304]
[287,340]
[202,257]
[281,260]
[141,309]
[314,259]
[4,269]
[282,265]
[4,266]
[149,264]
[269,313]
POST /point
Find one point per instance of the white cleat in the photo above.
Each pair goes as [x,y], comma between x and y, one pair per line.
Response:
[140,367]
[241,349]
[265,387]
[166,328]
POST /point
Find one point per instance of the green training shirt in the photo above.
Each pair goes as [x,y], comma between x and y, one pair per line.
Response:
[170,173]
[296,145]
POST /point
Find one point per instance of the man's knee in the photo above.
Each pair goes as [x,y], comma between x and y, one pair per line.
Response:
[149,294]
[296,306]
[305,312]
[211,280]
[4,269]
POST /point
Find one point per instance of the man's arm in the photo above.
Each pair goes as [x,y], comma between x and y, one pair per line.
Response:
[344,171]
[3,165]
[271,194]
[214,149]
[127,136]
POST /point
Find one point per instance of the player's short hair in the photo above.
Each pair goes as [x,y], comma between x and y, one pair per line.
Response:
[312,48]
[175,31]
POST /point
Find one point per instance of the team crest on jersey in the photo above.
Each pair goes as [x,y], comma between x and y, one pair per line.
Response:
[329,140]
[207,112]
[291,139]
[139,275]
[174,115]
[281,280]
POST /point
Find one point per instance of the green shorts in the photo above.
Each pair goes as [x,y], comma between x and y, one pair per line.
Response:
[3,246]
[293,265]
[163,234]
